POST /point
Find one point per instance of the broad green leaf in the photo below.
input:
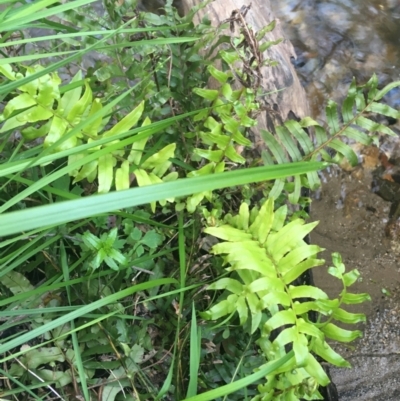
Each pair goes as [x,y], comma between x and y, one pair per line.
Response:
[105,172]
[42,356]
[308,122]
[16,282]
[327,306]
[226,91]
[347,317]
[289,144]
[81,106]
[280,319]
[293,274]
[213,125]
[230,124]
[16,121]
[275,298]
[122,176]
[352,299]
[337,261]
[211,138]
[70,98]
[261,33]
[92,130]
[344,150]
[288,238]
[266,284]
[351,277]
[212,155]
[372,85]
[309,329]
[49,90]
[286,336]
[332,117]
[57,130]
[136,153]
[209,94]
[220,76]
[262,224]
[86,171]
[193,201]
[242,310]
[293,258]
[221,309]
[238,137]
[230,153]
[243,217]
[349,102]
[228,233]
[276,189]
[380,94]
[302,137]
[21,101]
[91,241]
[300,348]
[336,333]
[209,168]
[279,217]
[159,161]
[323,349]
[295,195]
[314,181]
[372,126]
[36,113]
[357,135]
[334,271]
[301,308]
[31,133]
[227,283]
[383,109]
[274,147]
[229,56]
[7,71]
[314,368]
[246,255]
[127,122]
[307,291]
[253,303]
[320,135]
[62,212]
[117,256]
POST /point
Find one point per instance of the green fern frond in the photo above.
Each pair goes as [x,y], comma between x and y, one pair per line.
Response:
[268,257]
[350,124]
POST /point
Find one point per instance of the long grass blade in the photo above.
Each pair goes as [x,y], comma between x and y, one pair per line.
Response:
[58,213]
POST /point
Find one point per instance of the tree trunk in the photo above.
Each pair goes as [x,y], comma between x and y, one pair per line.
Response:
[284,92]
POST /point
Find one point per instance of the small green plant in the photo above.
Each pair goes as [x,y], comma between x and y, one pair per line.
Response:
[268,255]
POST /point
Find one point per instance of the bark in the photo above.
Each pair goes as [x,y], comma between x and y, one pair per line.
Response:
[285,93]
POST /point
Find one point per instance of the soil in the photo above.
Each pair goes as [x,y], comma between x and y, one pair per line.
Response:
[353,221]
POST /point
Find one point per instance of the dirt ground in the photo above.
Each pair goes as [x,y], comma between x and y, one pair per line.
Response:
[353,222]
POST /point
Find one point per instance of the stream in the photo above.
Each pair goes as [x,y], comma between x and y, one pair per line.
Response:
[334,42]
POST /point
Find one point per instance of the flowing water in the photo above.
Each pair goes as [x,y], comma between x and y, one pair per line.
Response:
[336,41]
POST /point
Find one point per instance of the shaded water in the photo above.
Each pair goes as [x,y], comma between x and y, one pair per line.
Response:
[336,41]
[341,39]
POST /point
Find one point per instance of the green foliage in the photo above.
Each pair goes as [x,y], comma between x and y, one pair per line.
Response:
[268,257]
[102,270]
[352,125]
